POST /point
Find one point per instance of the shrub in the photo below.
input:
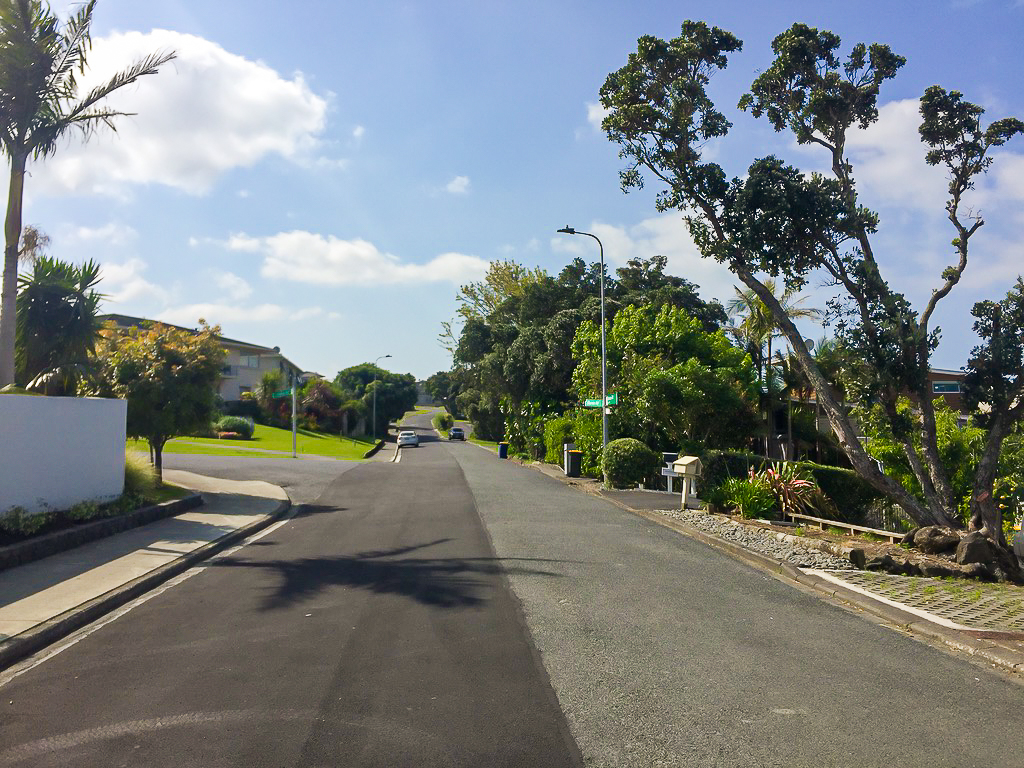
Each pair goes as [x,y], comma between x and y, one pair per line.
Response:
[237,424]
[748,496]
[443,421]
[794,491]
[139,475]
[627,462]
[83,511]
[18,523]
[557,432]
[852,497]
[719,466]
[586,429]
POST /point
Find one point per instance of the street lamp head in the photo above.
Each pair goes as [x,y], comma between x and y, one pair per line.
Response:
[567,230]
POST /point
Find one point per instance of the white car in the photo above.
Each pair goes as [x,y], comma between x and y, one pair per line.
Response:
[408,437]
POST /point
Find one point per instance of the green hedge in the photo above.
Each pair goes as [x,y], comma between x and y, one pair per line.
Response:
[557,432]
[628,462]
[847,490]
[443,421]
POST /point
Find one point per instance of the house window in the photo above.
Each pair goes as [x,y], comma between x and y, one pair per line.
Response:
[244,390]
[945,387]
[250,361]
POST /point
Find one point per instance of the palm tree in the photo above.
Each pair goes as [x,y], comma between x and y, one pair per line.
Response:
[758,328]
[58,325]
[40,59]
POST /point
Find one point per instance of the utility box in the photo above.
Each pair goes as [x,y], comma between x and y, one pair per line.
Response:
[688,468]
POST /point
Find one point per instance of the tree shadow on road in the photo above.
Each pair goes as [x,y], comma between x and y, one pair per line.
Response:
[446,582]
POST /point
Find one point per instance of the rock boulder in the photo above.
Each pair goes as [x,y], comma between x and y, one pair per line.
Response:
[936,539]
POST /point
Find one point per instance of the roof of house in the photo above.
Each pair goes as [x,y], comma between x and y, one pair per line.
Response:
[128,321]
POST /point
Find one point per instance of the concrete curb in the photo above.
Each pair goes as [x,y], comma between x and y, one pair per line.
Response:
[60,541]
[377,447]
[18,647]
[998,655]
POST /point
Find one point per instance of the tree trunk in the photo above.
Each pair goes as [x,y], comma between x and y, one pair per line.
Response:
[157,445]
[862,463]
[985,513]
[9,290]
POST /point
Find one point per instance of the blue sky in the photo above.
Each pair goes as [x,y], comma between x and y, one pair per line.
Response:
[323,175]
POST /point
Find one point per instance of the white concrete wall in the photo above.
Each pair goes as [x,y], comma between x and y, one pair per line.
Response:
[58,451]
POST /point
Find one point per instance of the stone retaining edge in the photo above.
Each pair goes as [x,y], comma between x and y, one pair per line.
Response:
[49,632]
[60,541]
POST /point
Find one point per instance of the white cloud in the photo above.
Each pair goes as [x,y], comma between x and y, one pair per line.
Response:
[123,282]
[458,186]
[204,113]
[306,314]
[306,257]
[358,132]
[234,286]
[109,234]
[221,314]
[595,114]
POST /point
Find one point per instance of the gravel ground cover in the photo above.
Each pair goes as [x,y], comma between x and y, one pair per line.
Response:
[760,539]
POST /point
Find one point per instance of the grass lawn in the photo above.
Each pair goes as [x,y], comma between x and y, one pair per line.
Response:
[486,443]
[265,441]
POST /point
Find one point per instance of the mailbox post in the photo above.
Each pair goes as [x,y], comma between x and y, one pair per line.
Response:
[688,468]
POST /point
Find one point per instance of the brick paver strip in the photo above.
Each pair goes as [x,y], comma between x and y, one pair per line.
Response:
[971,605]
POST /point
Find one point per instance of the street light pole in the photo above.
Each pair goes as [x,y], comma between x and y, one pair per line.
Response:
[375,395]
[604,355]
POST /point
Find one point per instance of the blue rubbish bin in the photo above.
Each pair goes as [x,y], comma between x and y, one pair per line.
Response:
[502,450]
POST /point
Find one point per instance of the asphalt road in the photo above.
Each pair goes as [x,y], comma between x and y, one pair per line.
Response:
[458,610]
[374,629]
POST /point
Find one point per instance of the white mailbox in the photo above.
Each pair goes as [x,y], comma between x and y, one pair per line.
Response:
[689,469]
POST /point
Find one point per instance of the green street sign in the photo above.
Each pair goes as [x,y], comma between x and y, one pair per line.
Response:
[282,393]
[592,403]
[613,399]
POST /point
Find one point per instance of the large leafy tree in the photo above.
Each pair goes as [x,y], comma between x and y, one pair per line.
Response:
[40,61]
[396,392]
[58,325]
[168,376]
[678,385]
[514,355]
[781,222]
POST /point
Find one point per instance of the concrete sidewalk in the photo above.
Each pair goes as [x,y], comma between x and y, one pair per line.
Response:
[43,601]
[894,600]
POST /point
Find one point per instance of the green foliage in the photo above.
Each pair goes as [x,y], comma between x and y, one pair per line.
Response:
[849,497]
[236,424]
[794,491]
[140,477]
[168,377]
[960,447]
[587,434]
[443,421]
[84,511]
[778,222]
[749,496]
[628,462]
[395,392]
[41,60]
[58,326]
[676,382]
[557,432]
